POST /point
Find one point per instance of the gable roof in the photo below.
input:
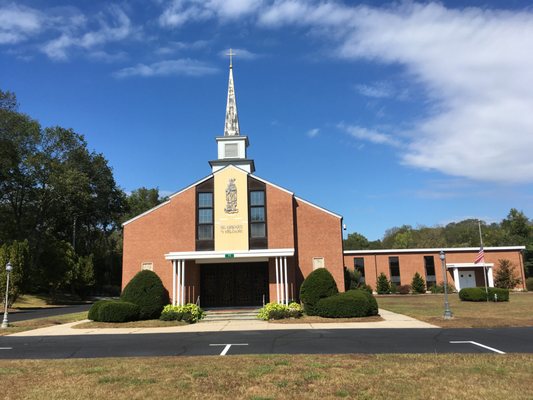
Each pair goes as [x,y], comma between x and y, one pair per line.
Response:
[211,176]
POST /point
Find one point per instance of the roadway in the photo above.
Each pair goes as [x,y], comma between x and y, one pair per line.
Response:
[298,341]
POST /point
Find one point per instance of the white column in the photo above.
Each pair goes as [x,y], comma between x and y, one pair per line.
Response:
[182,282]
[286,281]
[173,282]
[277,280]
[281,280]
[178,297]
[456,279]
[490,277]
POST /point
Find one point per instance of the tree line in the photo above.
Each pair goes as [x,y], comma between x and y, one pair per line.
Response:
[514,230]
[60,209]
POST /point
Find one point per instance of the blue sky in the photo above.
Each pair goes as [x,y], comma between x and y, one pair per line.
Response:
[386,113]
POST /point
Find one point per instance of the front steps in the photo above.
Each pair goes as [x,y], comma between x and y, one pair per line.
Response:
[240,314]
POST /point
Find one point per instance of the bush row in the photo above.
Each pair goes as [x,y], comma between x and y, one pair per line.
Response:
[480,294]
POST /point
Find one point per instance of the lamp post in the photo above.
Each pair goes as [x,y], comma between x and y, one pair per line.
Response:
[9,268]
[447,312]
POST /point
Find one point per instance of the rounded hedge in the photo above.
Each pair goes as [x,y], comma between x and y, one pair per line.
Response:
[318,285]
[93,311]
[373,309]
[147,291]
[353,303]
[118,311]
[479,294]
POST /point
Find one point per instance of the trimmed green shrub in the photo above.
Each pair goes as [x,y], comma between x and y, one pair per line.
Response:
[529,284]
[147,291]
[353,303]
[189,313]
[117,311]
[383,285]
[366,288]
[280,311]
[318,285]
[373,310]
[404,289]
[93,311]
[435,289]
[479,294]
[418,284]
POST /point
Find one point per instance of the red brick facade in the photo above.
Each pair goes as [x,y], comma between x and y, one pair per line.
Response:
[412,261]
[291,224]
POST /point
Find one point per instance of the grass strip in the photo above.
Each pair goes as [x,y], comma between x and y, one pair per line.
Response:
[385,376]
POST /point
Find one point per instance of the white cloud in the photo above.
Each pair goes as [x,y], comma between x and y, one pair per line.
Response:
[179,12]
[114,28]
[174,47]
[475,65]
[166,68]
[378,90]
[17,23]
[313,132]
[369,135]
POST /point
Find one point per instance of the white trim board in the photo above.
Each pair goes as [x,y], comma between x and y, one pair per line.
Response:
[434,250]
[215,255]
[469,265]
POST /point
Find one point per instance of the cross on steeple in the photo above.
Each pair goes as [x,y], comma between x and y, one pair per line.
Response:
[231,54]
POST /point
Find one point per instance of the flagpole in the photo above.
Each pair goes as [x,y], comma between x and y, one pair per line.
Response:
[484,268]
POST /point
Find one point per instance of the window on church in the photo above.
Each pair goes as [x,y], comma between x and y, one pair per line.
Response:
[205,216]
[231,150]
[429,265]
[359,266]
[394,269]
[257,214]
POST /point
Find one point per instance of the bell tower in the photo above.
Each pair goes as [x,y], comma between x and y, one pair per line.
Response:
[232,146]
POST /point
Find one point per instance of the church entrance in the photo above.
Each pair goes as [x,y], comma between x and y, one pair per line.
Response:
[234,285]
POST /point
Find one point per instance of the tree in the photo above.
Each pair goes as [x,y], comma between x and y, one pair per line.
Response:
[418,285]
[141,200]
[356,241]
[17,253]
[383,284]
[505,276]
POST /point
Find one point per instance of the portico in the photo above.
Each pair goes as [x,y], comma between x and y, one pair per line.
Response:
[278,257]
[466,275]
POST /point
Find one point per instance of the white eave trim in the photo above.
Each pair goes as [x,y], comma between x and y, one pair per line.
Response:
[207,255]
[318,207]
[272,184]
[434,250]
[469,265]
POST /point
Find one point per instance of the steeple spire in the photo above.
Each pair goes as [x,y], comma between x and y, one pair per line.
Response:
[231,127]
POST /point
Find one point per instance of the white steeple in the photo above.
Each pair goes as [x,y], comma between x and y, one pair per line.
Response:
[231,128]
[232,146]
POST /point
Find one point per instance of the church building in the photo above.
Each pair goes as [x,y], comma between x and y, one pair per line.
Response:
[232,238]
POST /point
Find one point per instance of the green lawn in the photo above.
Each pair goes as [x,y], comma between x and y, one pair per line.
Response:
[430,308]
[450,376]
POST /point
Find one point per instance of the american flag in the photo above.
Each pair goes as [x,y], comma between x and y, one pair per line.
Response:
[480,256]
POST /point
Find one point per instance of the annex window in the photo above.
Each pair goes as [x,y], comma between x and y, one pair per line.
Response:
[429,266]
[231,150]
[257,214]
[359,266]
[394,269]
[205,216]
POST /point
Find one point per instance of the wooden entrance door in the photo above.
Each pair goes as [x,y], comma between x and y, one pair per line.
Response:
[233,285]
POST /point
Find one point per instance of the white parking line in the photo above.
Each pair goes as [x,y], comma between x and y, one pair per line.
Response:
[227,346]
[478,344]
[6,348]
